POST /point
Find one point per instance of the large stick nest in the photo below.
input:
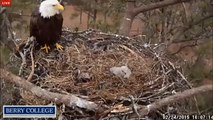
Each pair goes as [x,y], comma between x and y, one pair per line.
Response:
[83,68]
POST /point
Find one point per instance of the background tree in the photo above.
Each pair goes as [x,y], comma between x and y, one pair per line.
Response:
[110,9]
[132,11]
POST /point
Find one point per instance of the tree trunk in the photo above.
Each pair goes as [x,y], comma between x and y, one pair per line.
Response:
[81,12]
[95,15]
[126,23]
[95,11]
[105,17]
[88,20]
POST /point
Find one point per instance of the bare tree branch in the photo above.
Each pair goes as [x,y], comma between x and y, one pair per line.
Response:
[153,6]
[192,39]
[177,97]
[32,66]
[132,11]
[69,100]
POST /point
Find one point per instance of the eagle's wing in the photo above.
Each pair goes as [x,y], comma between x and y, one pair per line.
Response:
[34,29]
[60,20]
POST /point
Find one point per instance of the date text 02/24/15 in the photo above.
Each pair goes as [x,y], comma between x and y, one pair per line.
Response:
[187,117]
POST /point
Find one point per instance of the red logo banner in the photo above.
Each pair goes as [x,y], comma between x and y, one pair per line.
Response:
[5,3]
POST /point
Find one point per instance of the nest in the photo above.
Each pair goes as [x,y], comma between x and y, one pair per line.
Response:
[83,68]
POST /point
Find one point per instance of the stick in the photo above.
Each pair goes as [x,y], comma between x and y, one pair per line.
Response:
[33,65]
[23,57]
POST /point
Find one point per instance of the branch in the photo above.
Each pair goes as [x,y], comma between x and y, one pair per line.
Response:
[191,39]
[32,66]
[174,98]
[197,22]
[153,6]
[68,100]
[188,27]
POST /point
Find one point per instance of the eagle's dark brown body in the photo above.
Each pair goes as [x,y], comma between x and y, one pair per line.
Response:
[46,30]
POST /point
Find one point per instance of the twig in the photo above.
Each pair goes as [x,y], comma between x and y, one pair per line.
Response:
[157,93]
[23,54]
[23,57]
[33,64]
[128,49]
[186,12]
[134,107]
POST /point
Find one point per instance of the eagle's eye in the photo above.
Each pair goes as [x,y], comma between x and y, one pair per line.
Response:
[54,5]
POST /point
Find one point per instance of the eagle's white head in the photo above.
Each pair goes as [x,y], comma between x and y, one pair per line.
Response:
[49,8]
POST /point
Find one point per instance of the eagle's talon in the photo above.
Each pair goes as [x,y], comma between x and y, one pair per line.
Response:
[59,47]
[46,48]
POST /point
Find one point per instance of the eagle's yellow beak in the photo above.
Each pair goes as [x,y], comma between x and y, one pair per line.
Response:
[59,7]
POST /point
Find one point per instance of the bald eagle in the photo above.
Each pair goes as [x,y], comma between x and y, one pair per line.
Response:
[46,24]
